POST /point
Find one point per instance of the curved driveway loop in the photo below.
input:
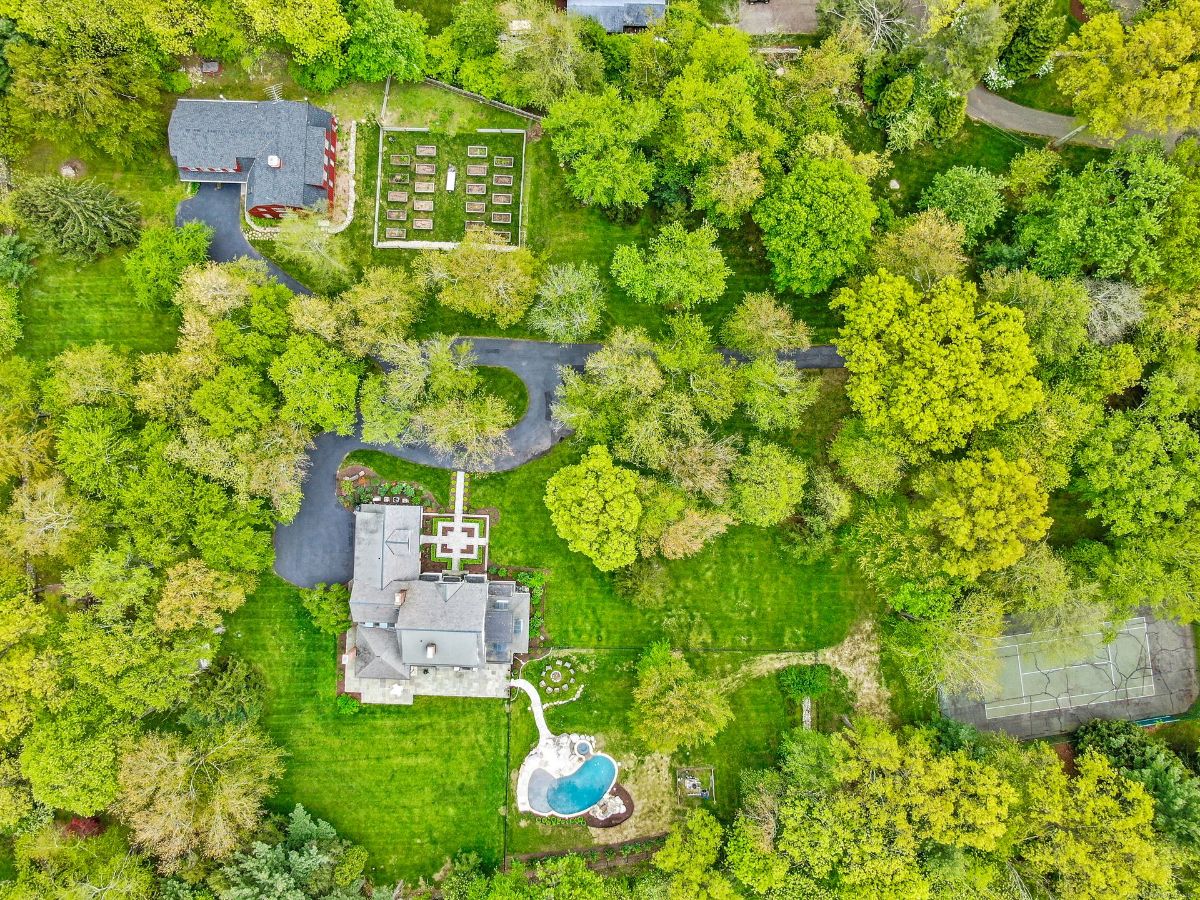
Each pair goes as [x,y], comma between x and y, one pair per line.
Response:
[316,546]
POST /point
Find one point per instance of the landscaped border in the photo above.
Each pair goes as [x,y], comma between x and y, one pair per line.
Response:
[444,245]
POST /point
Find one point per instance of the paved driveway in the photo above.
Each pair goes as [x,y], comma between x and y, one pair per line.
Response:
[778,17]
[317,545]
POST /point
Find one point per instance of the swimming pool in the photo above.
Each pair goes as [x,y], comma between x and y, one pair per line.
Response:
[572,794]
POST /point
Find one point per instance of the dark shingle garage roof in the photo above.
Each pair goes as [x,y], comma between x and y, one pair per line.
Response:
[617,15]
[216,134]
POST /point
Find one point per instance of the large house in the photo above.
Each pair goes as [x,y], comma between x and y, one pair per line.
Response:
[283,151]
[449,633]
[620,15]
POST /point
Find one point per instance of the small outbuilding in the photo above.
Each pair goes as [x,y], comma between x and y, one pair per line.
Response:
[619,16]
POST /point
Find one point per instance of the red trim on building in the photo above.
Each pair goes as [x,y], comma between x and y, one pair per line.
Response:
[268,210]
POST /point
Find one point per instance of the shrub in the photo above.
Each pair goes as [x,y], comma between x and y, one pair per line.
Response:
[329,606]
[15,255]
[345,705]
[798,682]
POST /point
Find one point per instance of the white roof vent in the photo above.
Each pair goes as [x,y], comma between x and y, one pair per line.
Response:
[274,161]
[430,651]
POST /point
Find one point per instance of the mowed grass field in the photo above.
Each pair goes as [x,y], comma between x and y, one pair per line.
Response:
[745,591]
[70,302]
[414,785]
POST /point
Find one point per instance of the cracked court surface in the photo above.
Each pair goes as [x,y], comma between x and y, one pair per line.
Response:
[1147,670]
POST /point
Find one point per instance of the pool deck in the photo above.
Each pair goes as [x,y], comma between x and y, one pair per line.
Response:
[555,757]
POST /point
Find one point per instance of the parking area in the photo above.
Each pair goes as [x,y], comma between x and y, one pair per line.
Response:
[778,17]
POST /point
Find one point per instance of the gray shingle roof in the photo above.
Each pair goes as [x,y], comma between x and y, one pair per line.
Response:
[617,15]
[223,133]
[457,617]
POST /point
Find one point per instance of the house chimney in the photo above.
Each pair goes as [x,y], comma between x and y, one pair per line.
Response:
[274,161]
[430,651]
[401,596]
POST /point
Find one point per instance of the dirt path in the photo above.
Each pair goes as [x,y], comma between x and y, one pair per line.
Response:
[857,657]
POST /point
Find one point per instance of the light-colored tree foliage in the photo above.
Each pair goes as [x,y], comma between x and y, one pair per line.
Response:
[195,596]
[925,248]
[201,794]
[476,279]
[570,302]
[981,512]
[768,484]
[673,707]
[679,269]
[595,509]
[762,326]
[929,368]
[1143,76]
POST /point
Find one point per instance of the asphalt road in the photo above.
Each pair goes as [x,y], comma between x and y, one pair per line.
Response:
[317,545]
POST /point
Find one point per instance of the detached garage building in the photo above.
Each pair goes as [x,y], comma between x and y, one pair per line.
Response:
[283,151]
[618,16]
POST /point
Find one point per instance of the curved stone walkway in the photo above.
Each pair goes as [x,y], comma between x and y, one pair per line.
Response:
[535,703]
[316,546]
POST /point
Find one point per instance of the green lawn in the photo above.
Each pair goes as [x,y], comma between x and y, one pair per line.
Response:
[743,592]
[68,302]
[1040,93]
[413,785]
[508,386]
[398,177]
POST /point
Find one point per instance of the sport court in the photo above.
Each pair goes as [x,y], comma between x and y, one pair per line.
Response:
[1034,676]
[1147,672]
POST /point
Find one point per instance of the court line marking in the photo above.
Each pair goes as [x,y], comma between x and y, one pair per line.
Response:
[1131,627]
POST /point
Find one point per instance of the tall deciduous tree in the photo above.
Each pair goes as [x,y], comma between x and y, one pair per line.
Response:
[1107,220]
[156,264]
[968,195]
[385,41]
[311,28]
[69,95]
[476,279]
[195,596]
[762,326]
[600,138]
[547,60]
[673,707]
[71,758]
[925,248]
[1140,470]
[1143,76]
[54,862]
[680,269]
[930,368]
[570,302]
[816,223]
[768,484]
[595,508]
[319,385]
[981,513]
[1056,311]
[201,794]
